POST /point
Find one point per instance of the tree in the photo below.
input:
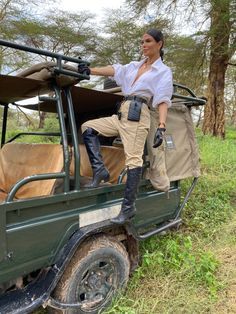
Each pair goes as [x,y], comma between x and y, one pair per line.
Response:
[222,45]
[230,96]
[14,14]
[184,56]
[120,41]
[57,31]
[63,32]
[221,52]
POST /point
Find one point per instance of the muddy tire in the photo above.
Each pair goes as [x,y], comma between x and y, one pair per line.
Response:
[98,271]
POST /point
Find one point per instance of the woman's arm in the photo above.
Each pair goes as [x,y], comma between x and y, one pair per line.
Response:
[162,108]
[159,135]
[103,71]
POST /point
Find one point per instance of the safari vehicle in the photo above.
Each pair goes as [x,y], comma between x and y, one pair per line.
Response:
[58,247]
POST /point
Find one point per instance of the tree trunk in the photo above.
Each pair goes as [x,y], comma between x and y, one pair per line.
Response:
[214,113]
[42,117]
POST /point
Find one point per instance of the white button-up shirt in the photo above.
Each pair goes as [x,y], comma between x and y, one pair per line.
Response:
[156,83]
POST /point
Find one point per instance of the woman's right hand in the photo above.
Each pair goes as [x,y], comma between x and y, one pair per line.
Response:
[83,68]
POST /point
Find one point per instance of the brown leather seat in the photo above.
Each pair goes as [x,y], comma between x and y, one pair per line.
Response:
[113,157]
[19,160]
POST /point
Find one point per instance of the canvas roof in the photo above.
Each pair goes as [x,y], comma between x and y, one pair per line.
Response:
[13,89]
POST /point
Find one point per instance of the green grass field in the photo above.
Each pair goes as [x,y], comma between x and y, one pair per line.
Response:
[193,270]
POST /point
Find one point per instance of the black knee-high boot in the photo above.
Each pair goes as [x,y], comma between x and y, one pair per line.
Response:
[100,173]
[131,189]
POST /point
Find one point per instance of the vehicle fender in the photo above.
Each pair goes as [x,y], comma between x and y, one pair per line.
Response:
[22,301]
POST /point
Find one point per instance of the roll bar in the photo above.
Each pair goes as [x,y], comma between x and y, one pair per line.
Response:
[193,99]
[57,56]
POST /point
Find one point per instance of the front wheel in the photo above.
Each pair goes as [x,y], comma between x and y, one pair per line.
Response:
[97,271]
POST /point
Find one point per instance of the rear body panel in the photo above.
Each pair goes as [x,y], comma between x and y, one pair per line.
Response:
[37,229]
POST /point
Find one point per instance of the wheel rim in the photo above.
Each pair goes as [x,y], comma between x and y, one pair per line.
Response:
[98,283]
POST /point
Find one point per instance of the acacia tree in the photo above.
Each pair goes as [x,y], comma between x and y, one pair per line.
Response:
[121,42]
[13,15]
[222,42]
[57,31]
[184,56]
[220,53]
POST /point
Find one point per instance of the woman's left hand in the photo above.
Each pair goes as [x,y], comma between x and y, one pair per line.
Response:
[158,138]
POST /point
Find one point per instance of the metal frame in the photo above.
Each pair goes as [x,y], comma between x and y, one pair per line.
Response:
[72,124]
[63,133]
[32,133]
[75,142]
[57,56]
[4,124]
[3,244]
[193,99]
[165,226]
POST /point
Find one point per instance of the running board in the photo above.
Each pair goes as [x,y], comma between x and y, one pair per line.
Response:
[132,230]
[175,222]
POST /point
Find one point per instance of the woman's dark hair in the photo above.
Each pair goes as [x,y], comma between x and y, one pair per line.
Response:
[158,36]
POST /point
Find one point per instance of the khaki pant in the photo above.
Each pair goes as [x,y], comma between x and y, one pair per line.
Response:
[132,133]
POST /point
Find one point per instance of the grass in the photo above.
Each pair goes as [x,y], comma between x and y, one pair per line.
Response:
[193,270]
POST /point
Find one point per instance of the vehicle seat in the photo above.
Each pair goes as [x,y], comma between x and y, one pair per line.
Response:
[113,157]
[19,160]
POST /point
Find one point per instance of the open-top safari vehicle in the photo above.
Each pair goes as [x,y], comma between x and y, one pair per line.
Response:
[58,247]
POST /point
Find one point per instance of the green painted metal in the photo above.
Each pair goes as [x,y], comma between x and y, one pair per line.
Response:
[63,137]
[57,56]
[3,244]
[33,133]
[4,125]
[75,141]
[192,100]
[37,177]
[37,229]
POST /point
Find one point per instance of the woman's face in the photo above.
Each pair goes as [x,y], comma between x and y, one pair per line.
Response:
[150,46]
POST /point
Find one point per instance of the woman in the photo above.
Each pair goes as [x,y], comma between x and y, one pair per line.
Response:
[145,84]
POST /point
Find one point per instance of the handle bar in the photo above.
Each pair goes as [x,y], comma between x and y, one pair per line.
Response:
[57,56]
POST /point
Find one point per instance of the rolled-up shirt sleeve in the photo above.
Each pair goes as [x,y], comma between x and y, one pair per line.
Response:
[163,90]
[119,73]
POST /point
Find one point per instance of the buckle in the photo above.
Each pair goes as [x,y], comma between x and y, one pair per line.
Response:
[137,98]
